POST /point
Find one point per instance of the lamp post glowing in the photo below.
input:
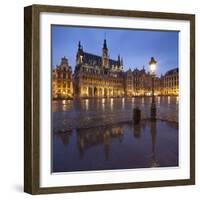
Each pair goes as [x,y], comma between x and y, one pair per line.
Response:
[152,65]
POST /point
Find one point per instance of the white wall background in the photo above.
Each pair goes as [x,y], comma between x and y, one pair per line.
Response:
[11,99]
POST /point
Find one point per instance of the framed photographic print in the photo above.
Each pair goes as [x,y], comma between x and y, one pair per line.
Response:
[109,99]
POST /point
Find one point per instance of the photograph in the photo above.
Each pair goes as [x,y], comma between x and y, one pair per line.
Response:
[109,99]
[114,98]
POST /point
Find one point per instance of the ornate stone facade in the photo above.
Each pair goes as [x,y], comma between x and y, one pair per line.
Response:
[98,76]
[164,85]
[171,82]
[128,79]
[141,82]
[62,80]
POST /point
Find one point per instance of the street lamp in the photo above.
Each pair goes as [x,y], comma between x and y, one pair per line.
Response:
[152,65]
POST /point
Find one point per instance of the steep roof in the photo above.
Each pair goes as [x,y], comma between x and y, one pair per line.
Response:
[88,57]
[172,71]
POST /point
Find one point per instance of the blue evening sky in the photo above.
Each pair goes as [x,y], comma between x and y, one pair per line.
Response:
[135,46]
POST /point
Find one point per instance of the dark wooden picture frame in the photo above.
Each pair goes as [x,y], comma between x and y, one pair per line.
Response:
[32,96]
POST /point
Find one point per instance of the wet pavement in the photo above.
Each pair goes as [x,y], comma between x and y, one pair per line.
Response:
[98,134]
[86,113]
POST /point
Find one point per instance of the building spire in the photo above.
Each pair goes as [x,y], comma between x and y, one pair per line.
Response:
[79,44]
[122,62]
[118,57]
[105,44]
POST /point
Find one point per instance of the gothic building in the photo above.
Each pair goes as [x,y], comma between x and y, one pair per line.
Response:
[171,82]
[98,76]
[128,79]
[101,76]
[62,80]
[141,82]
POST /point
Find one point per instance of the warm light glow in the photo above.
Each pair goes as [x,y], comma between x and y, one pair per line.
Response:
[152,65]
[155,93]
[63,101]
[103,104]
[153,68]
[148,94]
[168,100]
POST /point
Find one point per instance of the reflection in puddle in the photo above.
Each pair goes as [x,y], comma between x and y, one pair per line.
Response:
[118,146]
[111,103]
[158,100]
[123,103]
[142,101]
[83,113]
[177,100]
[168,100]
[103,104]
[86,104]
[64,102]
